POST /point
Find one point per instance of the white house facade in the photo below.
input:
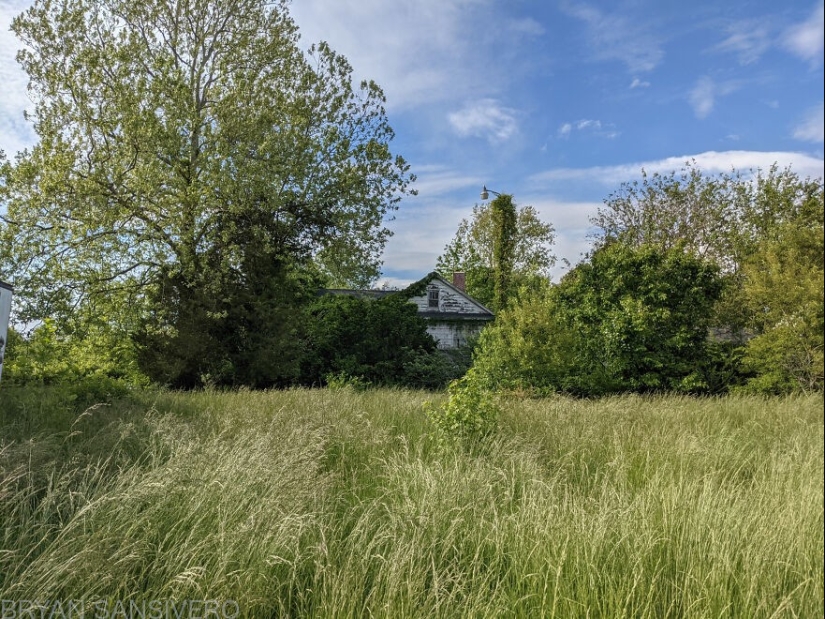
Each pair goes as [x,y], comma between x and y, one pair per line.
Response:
[453,316]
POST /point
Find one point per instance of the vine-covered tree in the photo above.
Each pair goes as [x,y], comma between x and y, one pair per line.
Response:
[500,227]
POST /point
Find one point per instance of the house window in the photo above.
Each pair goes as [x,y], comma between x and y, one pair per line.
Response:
[432,297]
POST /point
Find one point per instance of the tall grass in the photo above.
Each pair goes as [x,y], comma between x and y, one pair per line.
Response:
[319,503]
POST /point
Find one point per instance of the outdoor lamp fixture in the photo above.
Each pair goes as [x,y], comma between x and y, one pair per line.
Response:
[485,193]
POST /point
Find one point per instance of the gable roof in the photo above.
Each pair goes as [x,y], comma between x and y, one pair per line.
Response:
[419,289]
[361,294]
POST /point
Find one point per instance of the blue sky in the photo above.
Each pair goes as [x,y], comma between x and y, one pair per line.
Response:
[556,102]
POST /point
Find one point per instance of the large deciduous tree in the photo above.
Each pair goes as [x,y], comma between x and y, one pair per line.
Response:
[176,134]
[500,248]
[192,154]
[687,208]
[722,217]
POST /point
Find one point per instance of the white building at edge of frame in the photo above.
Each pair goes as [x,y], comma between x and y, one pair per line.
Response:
[5,310]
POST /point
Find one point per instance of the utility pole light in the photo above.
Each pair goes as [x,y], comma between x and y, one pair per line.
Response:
[485,193]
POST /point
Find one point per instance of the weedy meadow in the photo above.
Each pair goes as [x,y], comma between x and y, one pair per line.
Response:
[344,503]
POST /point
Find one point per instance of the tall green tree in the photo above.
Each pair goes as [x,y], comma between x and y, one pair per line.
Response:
[166,126]
[500,233]
[784,289]
[685,208]
[722,217]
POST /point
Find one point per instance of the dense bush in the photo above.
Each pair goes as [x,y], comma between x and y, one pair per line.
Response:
[51,356]
[234,329]
[628,320]
[783,291]
[377,341]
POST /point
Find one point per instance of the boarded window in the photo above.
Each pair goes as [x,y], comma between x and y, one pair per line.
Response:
[432,297]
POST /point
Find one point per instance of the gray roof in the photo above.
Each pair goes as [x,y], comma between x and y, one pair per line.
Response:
[351,292]
[456,316]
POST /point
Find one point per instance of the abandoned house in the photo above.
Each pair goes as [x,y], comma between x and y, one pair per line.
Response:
[451,314]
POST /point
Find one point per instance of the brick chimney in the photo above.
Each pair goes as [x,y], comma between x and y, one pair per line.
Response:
[460,280]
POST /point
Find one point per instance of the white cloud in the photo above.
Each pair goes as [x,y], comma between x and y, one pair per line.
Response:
[420,53]
[588,124]
[436,180]
[812,128]
[527,26]
[748,39]
[485,118]
[591,126]
[806,39]
[711,162]
[618,37]
[637,83]
[704,94]
[703,97]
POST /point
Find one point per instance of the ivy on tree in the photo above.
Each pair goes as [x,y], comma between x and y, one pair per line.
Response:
[501,248]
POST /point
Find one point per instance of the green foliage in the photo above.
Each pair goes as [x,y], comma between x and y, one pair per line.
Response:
[765,232]
[641,318]
[81,369]
[688,209]
[526,249]
[50,355]
[242,329]
[377,341]
[504,249]
[183,147]
[630,319]
[343,381]
[783,286]
[435,370]
[530,347]
[470,414]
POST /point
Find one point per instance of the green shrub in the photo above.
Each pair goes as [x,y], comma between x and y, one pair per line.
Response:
[71,354]
[341,381]
[631,319]
[783,292]
[434,370]
[470,413]
[378,340]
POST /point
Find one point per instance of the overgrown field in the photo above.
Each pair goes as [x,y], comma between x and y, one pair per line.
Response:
[322,503]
